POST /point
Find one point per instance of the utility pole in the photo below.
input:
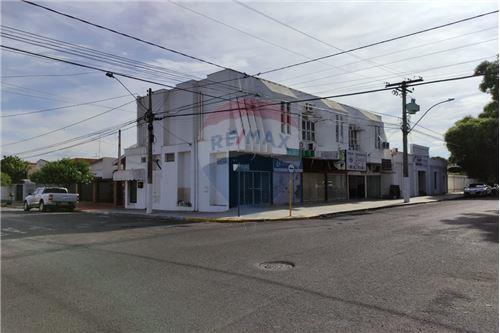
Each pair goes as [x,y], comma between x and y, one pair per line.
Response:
[149,186]
[402,88]
[118,168]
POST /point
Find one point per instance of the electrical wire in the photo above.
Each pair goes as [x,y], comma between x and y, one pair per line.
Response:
[60,107]
[378,43]
[43,75]
[310,36]
[124,34]
[66,126]
[244,75]
[399,50]
[398,61]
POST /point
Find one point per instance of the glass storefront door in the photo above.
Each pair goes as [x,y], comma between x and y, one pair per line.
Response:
[255,187]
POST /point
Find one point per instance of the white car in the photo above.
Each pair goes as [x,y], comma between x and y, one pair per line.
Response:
[477,189]
[50,197]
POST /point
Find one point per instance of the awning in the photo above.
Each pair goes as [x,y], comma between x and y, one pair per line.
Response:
[131,174]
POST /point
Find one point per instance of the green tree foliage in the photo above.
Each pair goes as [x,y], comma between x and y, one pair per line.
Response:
[5,179]
[64,173]
[489,85]
[473,142]
[15,167]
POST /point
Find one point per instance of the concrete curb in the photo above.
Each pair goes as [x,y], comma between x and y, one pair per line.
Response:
[273,219]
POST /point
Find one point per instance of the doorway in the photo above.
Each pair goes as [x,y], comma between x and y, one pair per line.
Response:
[356,187]
[255,188]
[422,188]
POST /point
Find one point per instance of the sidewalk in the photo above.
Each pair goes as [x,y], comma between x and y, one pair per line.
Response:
[275,213]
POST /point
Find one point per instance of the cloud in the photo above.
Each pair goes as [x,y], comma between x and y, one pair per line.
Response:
[342,24]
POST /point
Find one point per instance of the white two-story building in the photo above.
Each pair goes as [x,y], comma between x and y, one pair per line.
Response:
[206,128]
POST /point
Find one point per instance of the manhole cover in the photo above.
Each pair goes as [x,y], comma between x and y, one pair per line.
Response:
[276,266]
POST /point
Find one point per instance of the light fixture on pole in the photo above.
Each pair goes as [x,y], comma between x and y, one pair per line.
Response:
[416,123]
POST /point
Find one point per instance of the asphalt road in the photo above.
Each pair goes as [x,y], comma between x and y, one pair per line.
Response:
[422,268]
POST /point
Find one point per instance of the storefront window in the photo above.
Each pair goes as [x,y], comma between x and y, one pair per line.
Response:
[313,187]
[336,187]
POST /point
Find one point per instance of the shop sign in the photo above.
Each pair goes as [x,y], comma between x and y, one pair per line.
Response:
[355,160]
[241,167]
[420,160]
[284,165]
[293,152]
[327,155]
[386,164]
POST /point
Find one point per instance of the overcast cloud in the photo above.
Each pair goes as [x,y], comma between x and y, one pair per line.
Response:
[254,44]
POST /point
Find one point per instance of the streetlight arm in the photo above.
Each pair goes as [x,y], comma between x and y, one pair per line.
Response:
[446,101]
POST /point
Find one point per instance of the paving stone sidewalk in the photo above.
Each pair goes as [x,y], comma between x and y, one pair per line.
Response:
[275,213]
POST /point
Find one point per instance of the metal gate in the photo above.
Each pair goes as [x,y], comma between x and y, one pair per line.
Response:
[255,188]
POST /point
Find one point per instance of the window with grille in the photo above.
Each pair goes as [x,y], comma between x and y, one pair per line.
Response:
[378,138]
[353,138]
[170,157]
[339,128]
[308,130]
[285,118]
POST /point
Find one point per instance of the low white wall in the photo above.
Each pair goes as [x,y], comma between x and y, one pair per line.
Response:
[456,182]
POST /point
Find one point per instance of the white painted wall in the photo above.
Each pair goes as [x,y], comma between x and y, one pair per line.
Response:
[209,138]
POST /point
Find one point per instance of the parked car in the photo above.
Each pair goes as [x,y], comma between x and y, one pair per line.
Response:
[50,197]
[477,189]
[494,190]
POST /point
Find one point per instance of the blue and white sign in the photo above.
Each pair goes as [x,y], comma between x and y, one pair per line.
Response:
[283,165]
[355,160]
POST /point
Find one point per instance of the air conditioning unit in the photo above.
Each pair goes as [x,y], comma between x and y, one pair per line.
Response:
[308,108]
[385,145]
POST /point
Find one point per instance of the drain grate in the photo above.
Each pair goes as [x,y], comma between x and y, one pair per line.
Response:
[276,266]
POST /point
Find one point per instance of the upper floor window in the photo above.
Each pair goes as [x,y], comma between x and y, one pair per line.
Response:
[308,130]
[378,137]
[353,138]
[339,128]
[285,118]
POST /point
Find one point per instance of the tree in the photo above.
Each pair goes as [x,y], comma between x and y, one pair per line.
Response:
[489,85]
[473,142]
[5,179]
[15,167]
[63,172]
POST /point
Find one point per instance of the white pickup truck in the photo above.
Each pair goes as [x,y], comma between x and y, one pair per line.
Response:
[50,197]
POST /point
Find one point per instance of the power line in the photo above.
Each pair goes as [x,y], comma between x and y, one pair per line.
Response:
[101,69]
[423,70]
[78,144]
[391,53]
[308,35]
[44,75]
[108,58]
[66,126]
[123,34]
[336,96]
[400,60]
[297,101]
[246,33]
[43,41]
[377,43]
[109,129]
[60,107]
[269,71]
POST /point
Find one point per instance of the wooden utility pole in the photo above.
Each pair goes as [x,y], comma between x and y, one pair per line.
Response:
[149,186]
[402,88]
[118,168]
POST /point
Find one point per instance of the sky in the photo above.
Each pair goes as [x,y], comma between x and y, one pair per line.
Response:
[251,37]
